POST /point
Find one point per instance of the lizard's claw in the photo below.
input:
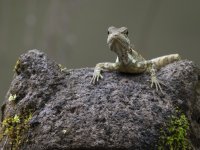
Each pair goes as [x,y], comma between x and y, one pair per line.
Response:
[96,76]
[157,83]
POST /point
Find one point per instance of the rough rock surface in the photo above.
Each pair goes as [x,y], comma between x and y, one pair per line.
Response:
[121,112]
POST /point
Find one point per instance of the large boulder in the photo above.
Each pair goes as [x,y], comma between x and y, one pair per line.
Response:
[49,107]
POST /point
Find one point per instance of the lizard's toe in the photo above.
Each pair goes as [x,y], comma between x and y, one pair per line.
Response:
[96,77]
[157,83]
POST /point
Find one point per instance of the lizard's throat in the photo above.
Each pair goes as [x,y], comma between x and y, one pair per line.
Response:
[121,51]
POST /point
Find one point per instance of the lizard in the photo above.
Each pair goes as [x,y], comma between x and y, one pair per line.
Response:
[129,60]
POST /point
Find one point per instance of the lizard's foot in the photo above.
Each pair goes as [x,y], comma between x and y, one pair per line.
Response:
[96,76]
[157,83]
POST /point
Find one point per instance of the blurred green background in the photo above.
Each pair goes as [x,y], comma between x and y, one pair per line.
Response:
[74,32]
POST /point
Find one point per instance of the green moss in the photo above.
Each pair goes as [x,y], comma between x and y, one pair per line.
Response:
[12,97]
[174,135]
[62,68]
[17,66]
[14,128]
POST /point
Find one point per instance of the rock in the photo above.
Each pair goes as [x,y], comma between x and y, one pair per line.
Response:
[62,110]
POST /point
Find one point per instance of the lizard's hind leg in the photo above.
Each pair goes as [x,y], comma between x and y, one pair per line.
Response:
[165,60]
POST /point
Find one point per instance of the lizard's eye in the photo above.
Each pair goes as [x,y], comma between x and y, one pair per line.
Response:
[126,32]
[108,32]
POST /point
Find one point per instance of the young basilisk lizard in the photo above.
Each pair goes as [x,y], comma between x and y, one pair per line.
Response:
[128,60]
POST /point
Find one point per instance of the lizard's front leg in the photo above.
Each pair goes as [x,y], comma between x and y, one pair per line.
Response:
[158,63]
[149,66]
[100,67]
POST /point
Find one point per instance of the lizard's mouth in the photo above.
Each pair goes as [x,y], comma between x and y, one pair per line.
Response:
[118,41]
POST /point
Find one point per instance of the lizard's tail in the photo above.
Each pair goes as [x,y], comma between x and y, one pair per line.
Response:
[165,60]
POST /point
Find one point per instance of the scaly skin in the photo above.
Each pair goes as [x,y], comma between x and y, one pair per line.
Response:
[128,60]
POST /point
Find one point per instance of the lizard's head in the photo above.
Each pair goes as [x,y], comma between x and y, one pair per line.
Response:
[119,42]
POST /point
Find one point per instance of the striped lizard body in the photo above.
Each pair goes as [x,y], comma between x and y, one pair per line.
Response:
[129,60]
